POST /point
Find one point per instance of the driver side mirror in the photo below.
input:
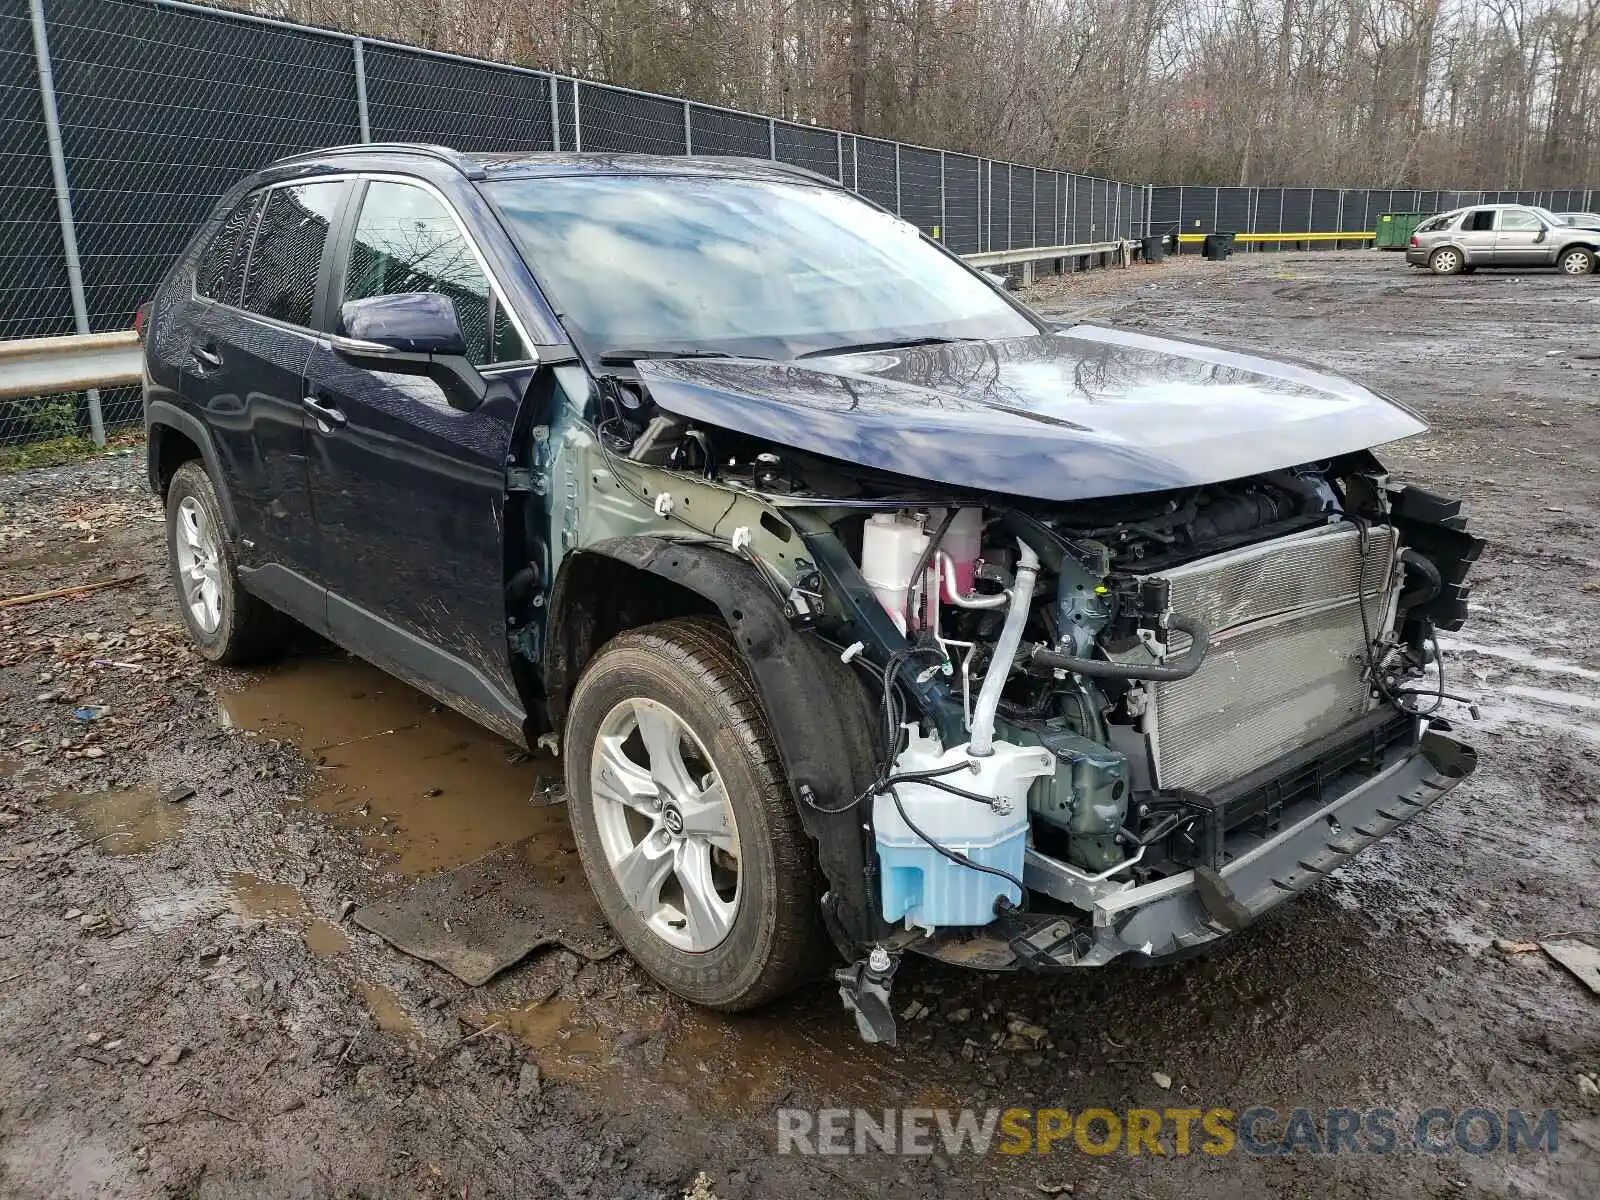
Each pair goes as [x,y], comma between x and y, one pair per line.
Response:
[1543,229]
[411,333]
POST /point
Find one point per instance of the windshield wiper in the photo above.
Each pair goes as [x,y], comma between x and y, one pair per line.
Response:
[890,344]
[628,355]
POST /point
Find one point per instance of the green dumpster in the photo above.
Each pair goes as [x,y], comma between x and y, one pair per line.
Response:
[1395,229]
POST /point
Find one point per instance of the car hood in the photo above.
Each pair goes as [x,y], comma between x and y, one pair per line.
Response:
[1081,413]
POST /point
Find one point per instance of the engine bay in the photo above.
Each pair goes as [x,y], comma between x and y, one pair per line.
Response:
[1048,675]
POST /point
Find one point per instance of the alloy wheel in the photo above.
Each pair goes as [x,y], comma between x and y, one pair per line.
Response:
[666,825]
[199,565]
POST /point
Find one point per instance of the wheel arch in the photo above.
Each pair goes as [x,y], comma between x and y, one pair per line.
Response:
[174,437]
[817,711]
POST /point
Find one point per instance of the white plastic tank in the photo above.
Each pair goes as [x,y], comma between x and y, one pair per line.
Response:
[891,544]
[921,886]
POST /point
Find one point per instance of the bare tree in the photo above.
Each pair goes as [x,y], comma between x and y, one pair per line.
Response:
[1470,93]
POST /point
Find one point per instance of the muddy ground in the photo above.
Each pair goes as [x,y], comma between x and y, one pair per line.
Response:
[186,1008]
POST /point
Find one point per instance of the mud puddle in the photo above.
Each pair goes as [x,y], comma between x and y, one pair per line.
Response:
[122,822]
[325,939]
[428,789]
[722,1065]
[262,900]
[430,792]
[387,1010]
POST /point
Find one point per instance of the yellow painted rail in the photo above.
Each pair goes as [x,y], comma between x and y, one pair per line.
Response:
[1197,238]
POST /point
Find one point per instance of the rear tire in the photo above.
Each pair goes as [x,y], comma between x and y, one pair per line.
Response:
[226,623]
[1577,261]
[722,895]
[1446,260]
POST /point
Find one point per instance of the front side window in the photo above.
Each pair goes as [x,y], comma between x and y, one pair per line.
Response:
[1519,219]
[407,241]
[739,266]
[222,266]
[281,280]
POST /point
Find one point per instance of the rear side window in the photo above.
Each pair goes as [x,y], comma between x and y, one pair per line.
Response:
[407,241]
[1480,220]
[222,267]
[281,280]
[1436,223]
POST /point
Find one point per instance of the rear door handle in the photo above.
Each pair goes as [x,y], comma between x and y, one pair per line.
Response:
[207,357]
[326,414]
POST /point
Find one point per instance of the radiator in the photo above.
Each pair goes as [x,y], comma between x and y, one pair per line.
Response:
[1287,657]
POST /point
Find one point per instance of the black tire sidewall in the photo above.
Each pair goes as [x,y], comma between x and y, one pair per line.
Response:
[1562,262]
[729,974]
[190,479]
[1433,258]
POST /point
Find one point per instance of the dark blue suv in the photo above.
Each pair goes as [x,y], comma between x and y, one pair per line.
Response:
[865,606]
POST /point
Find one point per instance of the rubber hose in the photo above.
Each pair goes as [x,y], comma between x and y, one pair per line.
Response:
[1432,582]
[1096,668]
[919,575]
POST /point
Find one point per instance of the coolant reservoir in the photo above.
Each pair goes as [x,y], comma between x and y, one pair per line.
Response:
[963,543]
[891,544]
[922,886]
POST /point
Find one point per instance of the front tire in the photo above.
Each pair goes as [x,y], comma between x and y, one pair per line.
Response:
[1446,260]
[226,623]
[1577,261]
[683,819]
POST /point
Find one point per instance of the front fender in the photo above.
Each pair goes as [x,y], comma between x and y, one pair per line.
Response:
[817,710]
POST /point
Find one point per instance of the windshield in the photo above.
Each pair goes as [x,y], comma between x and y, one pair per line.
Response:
[641,264]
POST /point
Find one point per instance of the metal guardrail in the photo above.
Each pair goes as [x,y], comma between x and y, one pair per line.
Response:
[1001,258]
[79,362]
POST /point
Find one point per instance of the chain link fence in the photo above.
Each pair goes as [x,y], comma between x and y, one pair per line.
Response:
[122,121]
[1283,212]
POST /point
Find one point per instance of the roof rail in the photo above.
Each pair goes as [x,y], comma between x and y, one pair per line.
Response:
[774,164]
[439,153]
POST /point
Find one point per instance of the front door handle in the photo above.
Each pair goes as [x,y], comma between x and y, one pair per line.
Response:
[326,414]
[207,357]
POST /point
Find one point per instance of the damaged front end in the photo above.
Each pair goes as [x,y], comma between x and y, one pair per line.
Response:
[1042,734]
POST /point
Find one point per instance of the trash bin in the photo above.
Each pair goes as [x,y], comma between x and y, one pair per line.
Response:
[1395,229]
[1154,247]
[1218,246]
